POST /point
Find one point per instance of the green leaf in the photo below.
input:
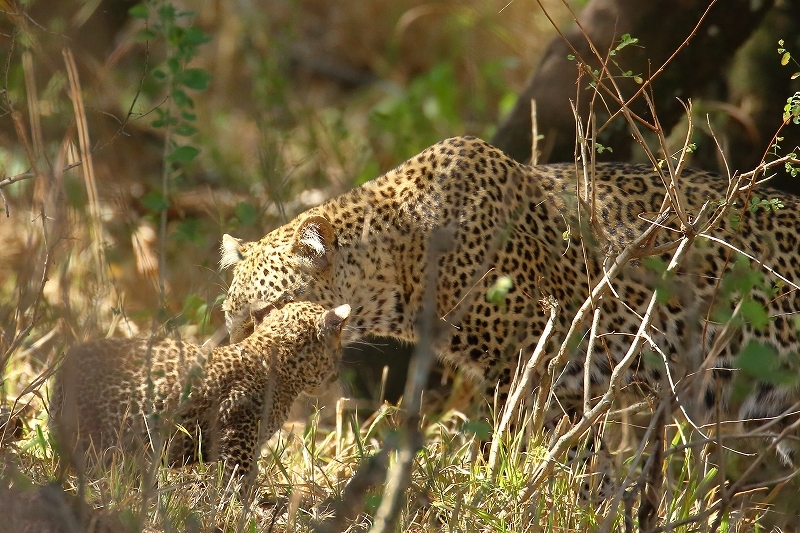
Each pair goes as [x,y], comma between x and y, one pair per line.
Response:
[139,11]
[174,66]
[159,74]
[164,121]
[166,13]
[754,313]
[655,264]
[196,78]
[195,36]
[189,229]
[184,129]
[183,154]
[246,213]
[182,99]
[145,35]
[496,294]
[174,35]
[761,362]
[479,428]
[155,201]
[785,58]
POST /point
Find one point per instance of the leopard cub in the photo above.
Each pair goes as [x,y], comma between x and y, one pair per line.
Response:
[221,405]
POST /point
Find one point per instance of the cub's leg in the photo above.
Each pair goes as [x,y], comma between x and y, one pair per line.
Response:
[238,441]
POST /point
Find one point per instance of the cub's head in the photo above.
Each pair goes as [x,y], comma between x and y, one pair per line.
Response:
[293,262]
[307,339]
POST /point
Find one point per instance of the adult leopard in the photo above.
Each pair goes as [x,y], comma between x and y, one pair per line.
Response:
[369,247]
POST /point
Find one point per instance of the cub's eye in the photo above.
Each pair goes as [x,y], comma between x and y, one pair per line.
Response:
[286,298]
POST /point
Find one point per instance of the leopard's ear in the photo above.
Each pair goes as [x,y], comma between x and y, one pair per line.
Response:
[334,319]
[314,241]
[232,251]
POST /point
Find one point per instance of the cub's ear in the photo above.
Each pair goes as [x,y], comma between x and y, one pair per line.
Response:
[232,251]
[314,241]
[334,319]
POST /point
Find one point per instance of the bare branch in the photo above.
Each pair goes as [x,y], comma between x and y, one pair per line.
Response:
[523,386]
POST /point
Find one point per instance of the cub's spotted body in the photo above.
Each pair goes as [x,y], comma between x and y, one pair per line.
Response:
[230,400]
[368,247]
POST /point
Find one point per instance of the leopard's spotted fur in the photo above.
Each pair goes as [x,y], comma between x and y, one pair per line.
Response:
[368,247]
[230,400]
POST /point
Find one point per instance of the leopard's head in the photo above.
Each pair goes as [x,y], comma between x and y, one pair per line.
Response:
[306,341]
[293,262]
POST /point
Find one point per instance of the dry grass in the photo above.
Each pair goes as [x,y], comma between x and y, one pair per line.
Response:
[79,253]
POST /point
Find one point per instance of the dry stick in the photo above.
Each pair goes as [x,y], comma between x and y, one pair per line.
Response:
[430,325]
[430,331]
[33,104]
[534,135]
[588,157]
[370,474]
[569,439]
[5,203]
[599,234]
[728,494]
[579,58]
[671,183]
[162,227]
[30,175]
[632,250]
[631,117]
[23,334]
[22,135]
[774,481]
[687,141]
[592,162]
[587,365]
[752,258]
[522,386]
[670,179]
[249,481]
[88,168]
[719,506]
[623,103]
[620,494]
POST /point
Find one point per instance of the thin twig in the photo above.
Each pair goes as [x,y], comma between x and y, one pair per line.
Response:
[570,438]
[534,135]
[430,329]
[88,169]
[23,334]
[728,493]
[587,365]
[29,175]
[580,315]
[522,387]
